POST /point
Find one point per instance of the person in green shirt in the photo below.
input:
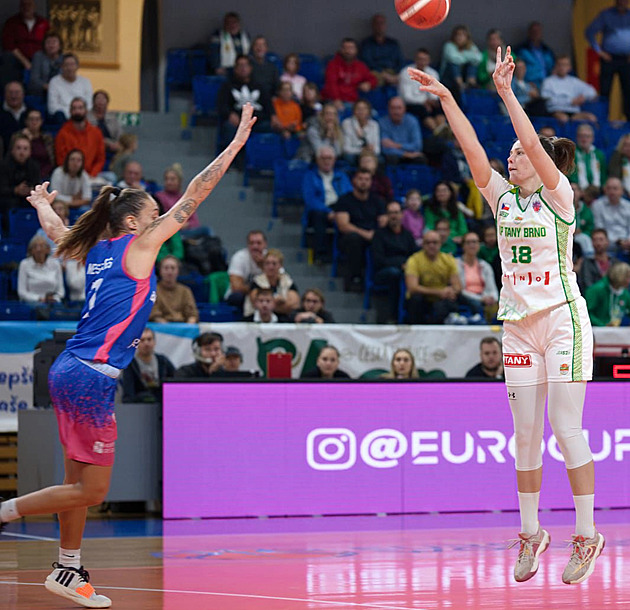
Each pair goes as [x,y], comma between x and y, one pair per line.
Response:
[443,229]
[590,162]
[608,300]
[584,222]
[443,204]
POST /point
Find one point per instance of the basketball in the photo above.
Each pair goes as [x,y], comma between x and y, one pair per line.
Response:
[423,14]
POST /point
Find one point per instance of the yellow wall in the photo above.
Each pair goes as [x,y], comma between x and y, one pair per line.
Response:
[123,84]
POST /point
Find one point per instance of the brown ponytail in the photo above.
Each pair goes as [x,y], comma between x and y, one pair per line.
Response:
[106,217]
[562,151]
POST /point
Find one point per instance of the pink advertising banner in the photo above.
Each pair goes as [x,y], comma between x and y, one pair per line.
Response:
[290,448]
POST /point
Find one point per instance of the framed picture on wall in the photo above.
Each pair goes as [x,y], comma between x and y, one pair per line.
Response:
[88,28]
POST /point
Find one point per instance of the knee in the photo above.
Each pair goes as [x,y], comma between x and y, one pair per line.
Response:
[94,494]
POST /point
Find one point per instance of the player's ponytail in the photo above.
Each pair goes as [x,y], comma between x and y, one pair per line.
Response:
[562,151]
[104,219]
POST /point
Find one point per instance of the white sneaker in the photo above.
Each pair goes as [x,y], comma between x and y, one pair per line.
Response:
[75,585]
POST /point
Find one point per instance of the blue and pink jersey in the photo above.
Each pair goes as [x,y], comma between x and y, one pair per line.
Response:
[117,306]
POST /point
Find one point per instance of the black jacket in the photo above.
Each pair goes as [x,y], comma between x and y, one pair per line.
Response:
[135,390]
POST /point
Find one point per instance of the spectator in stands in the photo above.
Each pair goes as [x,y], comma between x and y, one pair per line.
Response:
[264,72]
[584,222]
[443,229]
[22,37]
[18,175]
[132,177]
[360,132]
[443,204]
[402,366]
[171,194]
[489,252]
[74,277]
[227,43]
[313,309]
[321,188]
[40,279]
[494,39]
[106,121]
[590,162]
[619,164]
[285,293]
[291,75]
[64,88]
[612,212]
[233,359]
[381,184]
[491,365]
[287,112]
[614,50]
[71,181]
[595,267]
[391,246]
[460,58]
[127,147]
[323,130]
[565,94]
[79,133]
[235,92]
[382,54]
[401,138]
[311,105]
[413,218]
[327,365]
[346,76]
[358,214]
[42,143]
[264,306]
[527,93]
[13,113]
[477,279]
[608,300]
[433,285]
[46,64]
[538,57]
[142,379]
[244,266]
[175,301]
[547,131]
[209,358]
[424,106]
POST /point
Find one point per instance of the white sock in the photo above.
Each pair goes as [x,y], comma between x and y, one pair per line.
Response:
[70,558]
[528,507]
[584,520]
[9,511]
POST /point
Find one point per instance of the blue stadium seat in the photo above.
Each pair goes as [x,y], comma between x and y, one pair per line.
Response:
[74,215]
[275,59]
[261,150]
[11,251]
[312,68]
[217,312]
[4,285]
[481,125]
[181,66]
[501,129]
[569,130]
[205,91]
[23,224]
[378,98]
[196,282]
[15,310]
[405,177]
[500,150]
[612,131]
[546,121]
[287,182]
[599,108]
[481,101]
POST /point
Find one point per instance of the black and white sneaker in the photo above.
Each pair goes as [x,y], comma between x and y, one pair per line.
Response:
[75,585]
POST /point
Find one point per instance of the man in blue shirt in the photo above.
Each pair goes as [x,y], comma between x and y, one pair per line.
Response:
[538,57]
[401,137]
[321,187]
[381,53]
[614,49]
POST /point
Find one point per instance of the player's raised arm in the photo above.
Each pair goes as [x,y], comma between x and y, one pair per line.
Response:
[41,200]
[199,188]
[460,125]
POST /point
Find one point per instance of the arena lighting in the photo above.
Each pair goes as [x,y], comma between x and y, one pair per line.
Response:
[621,371]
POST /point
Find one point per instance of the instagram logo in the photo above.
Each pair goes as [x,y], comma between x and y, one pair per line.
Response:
[331,449]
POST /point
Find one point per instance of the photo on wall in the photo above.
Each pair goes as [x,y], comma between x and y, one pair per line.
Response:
[87,28]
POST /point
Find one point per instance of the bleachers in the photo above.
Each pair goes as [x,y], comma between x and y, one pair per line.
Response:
[181,66]
[205,90]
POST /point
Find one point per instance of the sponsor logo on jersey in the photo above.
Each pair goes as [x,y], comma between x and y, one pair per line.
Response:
[528,278]
[522,231]
[563,352]
[153,297]
[518,219]
[564,369]
[517,360]
[536,206]
[504,214]
[96,268]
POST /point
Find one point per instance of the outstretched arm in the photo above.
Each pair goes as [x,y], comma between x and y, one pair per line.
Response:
[463,130]
[41,200]
[199,188]
[542,162]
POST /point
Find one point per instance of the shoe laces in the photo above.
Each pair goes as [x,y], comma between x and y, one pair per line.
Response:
[83,574]
[582,550]
[526,549]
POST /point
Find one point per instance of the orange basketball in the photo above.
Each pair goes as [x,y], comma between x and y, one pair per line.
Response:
[423,14]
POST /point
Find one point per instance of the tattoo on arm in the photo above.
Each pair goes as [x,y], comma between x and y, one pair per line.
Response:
[212,173]
[184,209]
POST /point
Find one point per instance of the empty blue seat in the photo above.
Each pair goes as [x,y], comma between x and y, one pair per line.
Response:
[196,282]
[406,177]
[11,251]
[181,66]
[287,182]
[261,150]
[15,310]
[23,224]
[481,126]
[312,68]
[612,131]
[217,312]
[276,60]
[599,107]
[205,91]
[481,101]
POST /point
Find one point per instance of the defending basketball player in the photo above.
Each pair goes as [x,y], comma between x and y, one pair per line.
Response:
[547,340]
[119,239]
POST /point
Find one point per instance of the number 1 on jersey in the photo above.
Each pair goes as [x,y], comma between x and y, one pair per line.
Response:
[521,254]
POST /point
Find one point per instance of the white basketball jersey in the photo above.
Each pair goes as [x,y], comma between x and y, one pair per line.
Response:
[536,248]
